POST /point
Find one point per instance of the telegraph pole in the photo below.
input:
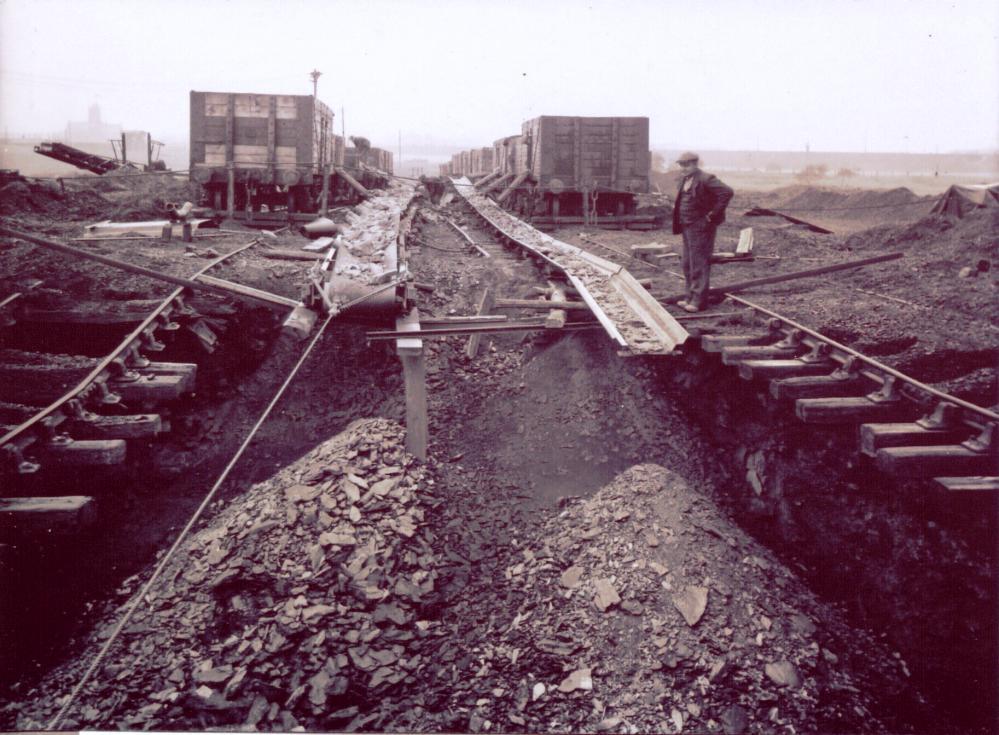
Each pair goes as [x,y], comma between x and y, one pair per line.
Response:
[315,74]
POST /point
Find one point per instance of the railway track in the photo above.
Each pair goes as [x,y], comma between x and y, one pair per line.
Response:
[909,429]
[87,426]
[627,312]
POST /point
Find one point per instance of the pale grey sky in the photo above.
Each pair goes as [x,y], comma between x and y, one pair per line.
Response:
[776,74]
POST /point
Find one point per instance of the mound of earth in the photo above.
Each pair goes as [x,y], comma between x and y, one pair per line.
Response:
[295,605]
[820,198]
[643,610]
[47,199]
[145,196]
[122,197]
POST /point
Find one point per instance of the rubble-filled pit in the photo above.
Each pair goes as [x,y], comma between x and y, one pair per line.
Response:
[596,544]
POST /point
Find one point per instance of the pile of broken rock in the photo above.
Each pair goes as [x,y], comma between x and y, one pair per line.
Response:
[297,603]
[321,600]
[644,610]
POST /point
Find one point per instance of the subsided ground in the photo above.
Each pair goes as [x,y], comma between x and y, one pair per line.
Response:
[562,477]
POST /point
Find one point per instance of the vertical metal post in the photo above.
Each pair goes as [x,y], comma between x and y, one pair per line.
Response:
[231,193]
[230,157]
[325,198]
[410,351]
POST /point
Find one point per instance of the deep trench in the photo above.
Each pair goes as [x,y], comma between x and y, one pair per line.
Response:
[561,419]
[901,558]
[64,586]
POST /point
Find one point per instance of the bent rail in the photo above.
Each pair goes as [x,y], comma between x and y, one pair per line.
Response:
[628,313]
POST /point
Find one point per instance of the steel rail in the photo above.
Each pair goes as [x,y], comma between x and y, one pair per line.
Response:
[608,324]
[879,369]
[133,337]
[482,329]
[216,286]
[147,587]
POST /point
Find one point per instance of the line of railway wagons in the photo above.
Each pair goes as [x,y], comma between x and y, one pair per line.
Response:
[565,169]
[250,151]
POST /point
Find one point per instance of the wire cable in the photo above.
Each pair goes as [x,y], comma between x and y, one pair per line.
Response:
[134,604]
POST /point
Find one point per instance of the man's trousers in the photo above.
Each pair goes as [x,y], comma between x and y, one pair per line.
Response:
[698,244]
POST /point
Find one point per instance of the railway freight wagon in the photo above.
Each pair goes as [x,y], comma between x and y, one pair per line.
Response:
[382,160]
[377,158]
[249,151]
[577,165]
[481,160]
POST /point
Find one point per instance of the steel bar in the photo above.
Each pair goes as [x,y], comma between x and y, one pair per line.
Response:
[191,283]
[468,238]
[471,319]
[10,299]
[483,329]
[743,285]
[977,483]
[538,304]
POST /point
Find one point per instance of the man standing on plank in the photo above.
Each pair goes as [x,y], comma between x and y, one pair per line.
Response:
[699,209]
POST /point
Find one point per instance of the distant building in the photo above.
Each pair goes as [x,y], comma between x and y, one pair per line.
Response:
[94,130]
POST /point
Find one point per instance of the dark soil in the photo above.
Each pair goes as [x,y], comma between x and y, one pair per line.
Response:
[918,314]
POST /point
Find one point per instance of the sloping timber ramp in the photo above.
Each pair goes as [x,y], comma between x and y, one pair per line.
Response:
[636,321]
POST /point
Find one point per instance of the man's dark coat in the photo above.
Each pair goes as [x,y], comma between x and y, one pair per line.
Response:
[708,197]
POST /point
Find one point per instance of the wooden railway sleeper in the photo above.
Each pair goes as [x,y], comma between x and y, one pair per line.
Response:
[839,382]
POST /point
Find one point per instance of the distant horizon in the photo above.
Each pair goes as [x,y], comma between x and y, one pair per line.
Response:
[6,136]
